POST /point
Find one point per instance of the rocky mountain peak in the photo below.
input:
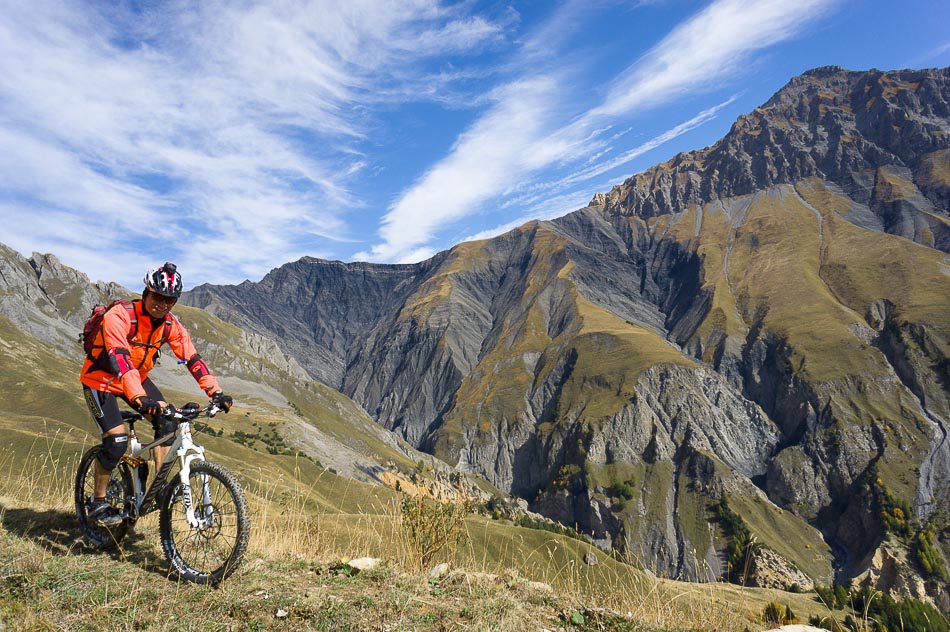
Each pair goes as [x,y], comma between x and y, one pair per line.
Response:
[839,125]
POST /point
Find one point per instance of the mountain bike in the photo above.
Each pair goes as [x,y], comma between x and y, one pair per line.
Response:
[204,521]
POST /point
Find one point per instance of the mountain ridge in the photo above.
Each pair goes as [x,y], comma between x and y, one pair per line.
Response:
[841,139]
[792,275]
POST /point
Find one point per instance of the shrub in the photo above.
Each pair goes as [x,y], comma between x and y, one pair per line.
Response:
[835,597]
[895,513]
[742,544]
[432,527]
[622,490]
[841,595]
[776,614]
[826,595]
[907,614]
[929,558]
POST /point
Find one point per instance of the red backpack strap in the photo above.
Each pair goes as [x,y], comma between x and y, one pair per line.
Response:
[129,305]
[167,330]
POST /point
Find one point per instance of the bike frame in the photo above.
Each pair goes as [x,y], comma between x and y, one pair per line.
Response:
[183,450]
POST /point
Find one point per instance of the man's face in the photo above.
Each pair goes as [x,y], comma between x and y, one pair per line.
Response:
[158,306]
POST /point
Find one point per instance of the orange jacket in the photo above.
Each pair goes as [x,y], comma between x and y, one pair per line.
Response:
[124,364]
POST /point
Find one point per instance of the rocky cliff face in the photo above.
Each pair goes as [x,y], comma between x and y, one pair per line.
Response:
[316,309]
[48,300]
[765,319]
[867,132]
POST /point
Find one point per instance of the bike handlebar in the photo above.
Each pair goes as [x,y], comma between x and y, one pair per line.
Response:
[179,414]
[190,413]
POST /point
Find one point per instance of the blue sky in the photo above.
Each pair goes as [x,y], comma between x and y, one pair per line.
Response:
[232,137]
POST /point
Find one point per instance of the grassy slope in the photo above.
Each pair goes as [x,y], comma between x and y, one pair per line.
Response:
[653,485]
[812,290]
[305,518]
[812,284]
[711,245]
[611,353]
[859,267]
[48,580]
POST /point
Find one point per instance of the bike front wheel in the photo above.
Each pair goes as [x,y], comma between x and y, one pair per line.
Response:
[212,550]
[119,493]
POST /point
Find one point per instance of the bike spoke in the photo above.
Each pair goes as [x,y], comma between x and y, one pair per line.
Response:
[119,491]
[214,547]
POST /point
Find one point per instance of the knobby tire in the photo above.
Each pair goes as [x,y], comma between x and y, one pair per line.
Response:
[207,554]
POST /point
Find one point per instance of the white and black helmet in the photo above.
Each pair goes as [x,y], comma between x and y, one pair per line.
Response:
[164,280]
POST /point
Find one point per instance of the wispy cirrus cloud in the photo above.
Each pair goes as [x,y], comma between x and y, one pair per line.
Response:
[710,46]
[603,166]
[235,126]
[249,134]
[548,200]
[696,55]
[501,144]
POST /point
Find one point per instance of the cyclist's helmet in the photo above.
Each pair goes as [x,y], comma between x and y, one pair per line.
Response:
[165,280]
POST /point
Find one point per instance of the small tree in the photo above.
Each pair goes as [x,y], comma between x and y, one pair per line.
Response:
[841,595]
[776,614]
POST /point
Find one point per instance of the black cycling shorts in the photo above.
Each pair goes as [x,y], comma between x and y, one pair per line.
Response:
[105,406]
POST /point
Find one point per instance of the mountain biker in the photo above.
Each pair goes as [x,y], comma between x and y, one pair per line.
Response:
[124,351]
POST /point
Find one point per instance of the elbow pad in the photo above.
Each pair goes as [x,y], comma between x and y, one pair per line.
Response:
[198,367]
[120,361]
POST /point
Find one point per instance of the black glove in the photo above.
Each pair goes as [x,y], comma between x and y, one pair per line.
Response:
[191,408]
[146,405]
[222,401]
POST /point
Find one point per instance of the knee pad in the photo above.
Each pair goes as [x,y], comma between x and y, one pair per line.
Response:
[113,447]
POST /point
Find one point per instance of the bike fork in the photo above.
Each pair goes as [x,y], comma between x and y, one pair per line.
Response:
[194,521]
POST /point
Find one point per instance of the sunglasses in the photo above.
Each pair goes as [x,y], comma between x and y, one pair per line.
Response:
[163,300]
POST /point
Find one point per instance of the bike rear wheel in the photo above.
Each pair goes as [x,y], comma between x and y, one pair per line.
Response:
[119,493]
[208,553]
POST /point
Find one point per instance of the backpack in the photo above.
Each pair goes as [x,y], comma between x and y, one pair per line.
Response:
[94,323]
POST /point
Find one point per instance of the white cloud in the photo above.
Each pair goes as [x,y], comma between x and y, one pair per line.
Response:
[542,201]
[517,136]
[630,155]
[549,207]
[502,146]
[157,125]
[705,49]
[237,131]
[931,56]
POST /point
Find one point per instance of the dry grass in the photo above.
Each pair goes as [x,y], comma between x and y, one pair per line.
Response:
[504,577]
